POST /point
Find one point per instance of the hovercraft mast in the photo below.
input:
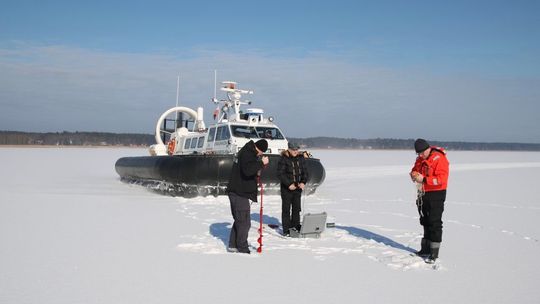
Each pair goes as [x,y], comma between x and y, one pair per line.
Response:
[233,101]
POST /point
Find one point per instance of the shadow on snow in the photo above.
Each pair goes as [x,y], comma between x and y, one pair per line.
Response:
[223,230]
[368,235]
[270,220]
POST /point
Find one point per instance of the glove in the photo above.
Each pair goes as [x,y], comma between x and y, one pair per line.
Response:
[417,177]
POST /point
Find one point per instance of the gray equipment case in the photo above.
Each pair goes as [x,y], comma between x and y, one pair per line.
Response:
[312,226]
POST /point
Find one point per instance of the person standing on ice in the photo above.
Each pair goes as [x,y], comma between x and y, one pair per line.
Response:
[293,175]
[242,188]
[430,172]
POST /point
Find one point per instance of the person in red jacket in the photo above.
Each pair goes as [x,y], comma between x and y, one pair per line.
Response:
[430,172]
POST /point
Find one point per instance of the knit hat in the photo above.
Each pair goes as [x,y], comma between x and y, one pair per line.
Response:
[420,145]
[262,145]
[293,146]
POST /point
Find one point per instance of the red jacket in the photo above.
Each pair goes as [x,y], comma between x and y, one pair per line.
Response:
[435,169]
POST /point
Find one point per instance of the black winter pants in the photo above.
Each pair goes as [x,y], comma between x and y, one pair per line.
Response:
[290,200]
[241,212]
[430,208]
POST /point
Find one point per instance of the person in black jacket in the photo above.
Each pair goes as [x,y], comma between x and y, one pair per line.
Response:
[293,176]
[242,188]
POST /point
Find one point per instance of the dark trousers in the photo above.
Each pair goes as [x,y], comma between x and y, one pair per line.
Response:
[240,209]
[430,208]
[290,200]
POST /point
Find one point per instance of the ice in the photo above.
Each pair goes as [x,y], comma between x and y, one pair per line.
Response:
[72,232]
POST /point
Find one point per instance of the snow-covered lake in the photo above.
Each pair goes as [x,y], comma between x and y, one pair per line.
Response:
[71,232]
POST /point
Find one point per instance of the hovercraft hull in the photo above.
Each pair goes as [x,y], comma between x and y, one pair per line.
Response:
[202,175]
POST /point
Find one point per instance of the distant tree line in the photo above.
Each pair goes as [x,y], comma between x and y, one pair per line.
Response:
[75,139]
[397,144]
[128,139]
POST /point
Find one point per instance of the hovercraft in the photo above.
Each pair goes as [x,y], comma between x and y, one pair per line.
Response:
[191,160]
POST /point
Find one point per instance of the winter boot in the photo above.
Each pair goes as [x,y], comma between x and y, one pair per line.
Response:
[434,253]
[424,249]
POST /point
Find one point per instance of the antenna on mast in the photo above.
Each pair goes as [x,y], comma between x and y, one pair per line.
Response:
[178,118]
[177,89]
[215,87]
[215,100]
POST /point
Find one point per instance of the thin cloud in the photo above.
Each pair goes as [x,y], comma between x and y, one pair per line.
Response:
[54,88]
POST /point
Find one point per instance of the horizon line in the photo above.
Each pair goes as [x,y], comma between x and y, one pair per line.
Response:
[293,137]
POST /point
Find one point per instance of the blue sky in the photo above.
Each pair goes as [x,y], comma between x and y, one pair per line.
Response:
[443,70]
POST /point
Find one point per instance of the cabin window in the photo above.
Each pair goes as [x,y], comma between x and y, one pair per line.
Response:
[269,133]
[200,142]
[223,133]
[256,132]
[211,134]
[188,142]
[244,131]
[193,143]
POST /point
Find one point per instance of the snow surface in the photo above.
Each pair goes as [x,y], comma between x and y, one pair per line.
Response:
[71,232]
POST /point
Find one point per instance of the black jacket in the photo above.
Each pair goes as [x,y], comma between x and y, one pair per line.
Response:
[292,170]
[243,178]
